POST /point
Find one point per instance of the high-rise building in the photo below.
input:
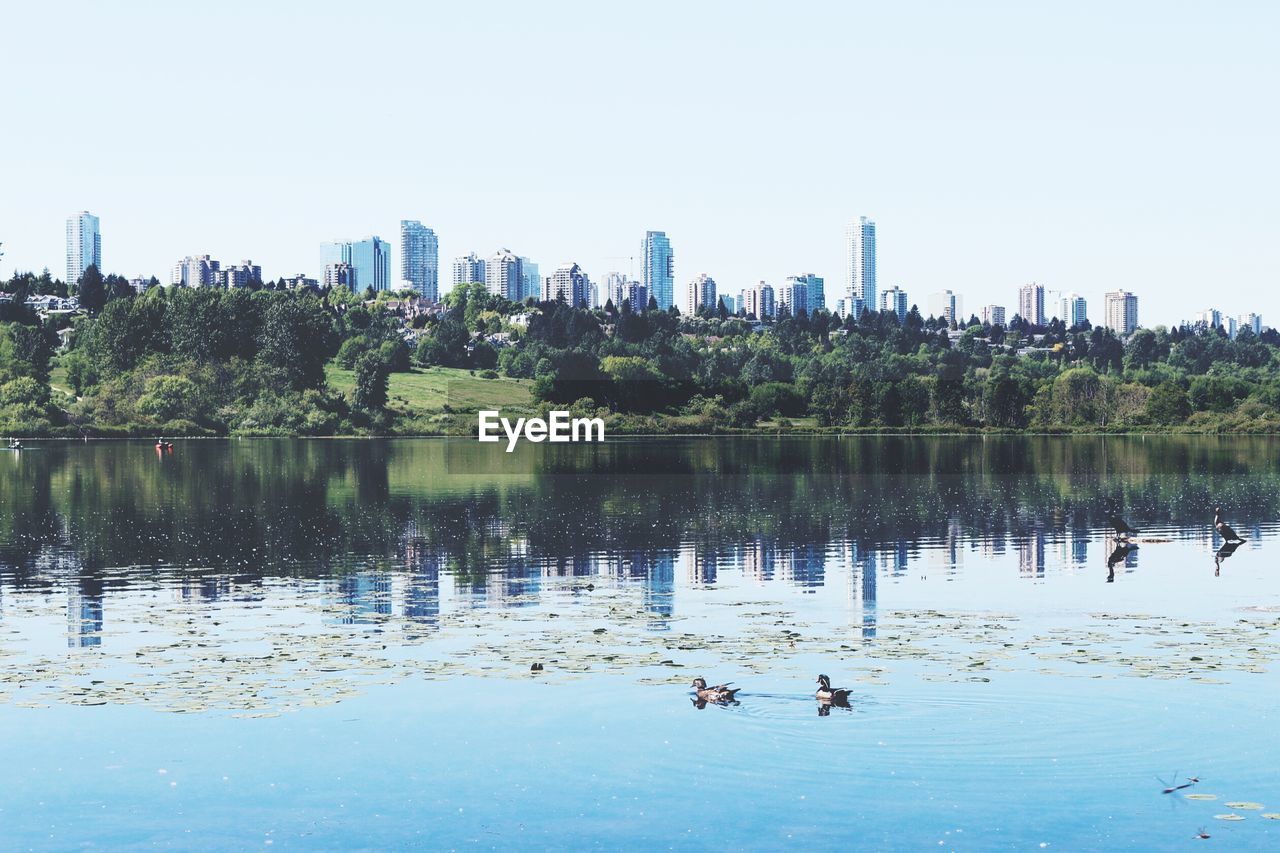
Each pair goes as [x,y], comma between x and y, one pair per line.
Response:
[340,275]
[468,269]
[503,275]
[1209,317]
[84,245]
[420,259]
[1031,303]
[1121,311]
[638,295]
[895,299]
[300,281]
[794,294]
[530,282]
[239,275]
[860,263]
[658,268]
[947,305]
[1073,310]
[759,301]
[1251,321]
[817,290]
[702,293]
[197,271]
[370,258]
[849,306]
[993,315]
[567,284]
[615,288]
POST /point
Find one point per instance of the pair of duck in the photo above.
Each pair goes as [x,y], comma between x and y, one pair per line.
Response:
[1124,531]
[723,693]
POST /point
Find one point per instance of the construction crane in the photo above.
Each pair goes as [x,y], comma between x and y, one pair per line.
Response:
[631,264]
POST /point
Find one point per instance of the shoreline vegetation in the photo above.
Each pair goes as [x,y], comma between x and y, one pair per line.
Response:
[266,360]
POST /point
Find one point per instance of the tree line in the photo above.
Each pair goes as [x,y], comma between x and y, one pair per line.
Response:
[253,361]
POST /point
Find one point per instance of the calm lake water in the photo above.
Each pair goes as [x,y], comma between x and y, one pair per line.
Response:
[328,644]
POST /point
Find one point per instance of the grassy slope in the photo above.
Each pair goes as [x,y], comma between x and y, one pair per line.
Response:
[424,391]
[58,379]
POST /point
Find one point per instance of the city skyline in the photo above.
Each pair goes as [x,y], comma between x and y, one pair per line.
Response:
[342,262]
[999,145]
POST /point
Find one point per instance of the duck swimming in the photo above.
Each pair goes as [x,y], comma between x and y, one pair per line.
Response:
[827,693]
[1224,529]
[720,694]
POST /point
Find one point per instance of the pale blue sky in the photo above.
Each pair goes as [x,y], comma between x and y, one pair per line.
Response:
[1087,146]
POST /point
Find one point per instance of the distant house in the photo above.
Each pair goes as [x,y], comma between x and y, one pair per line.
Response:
[413,306]
[46,304]
[499,339]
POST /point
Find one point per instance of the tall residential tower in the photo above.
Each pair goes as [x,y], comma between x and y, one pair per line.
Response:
[1031,303]
[84,245]
[1121,311]
[420,259]
[658,268]
[860,265]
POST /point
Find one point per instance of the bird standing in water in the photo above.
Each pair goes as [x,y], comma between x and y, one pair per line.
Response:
[1123,530]
[1224,529]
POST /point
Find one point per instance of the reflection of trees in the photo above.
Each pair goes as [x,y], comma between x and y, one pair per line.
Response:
[248,508]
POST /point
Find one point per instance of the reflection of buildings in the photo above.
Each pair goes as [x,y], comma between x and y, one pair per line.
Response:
[1079,547]
[207,588]
[1031,556]
[947,557]
[864,577]
[422,585]
[660,585]
[84,613]
[577,566]
[757,561]
[803,566]
[365,593]
[900,558]
[701,563]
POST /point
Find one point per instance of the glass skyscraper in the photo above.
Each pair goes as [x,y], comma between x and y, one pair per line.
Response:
[658,268]
[84,245]
[420,259]
[817,291]
[531,283]
[860,262]
[370,260]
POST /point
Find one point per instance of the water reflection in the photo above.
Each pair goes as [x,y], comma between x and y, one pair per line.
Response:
[409,529]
